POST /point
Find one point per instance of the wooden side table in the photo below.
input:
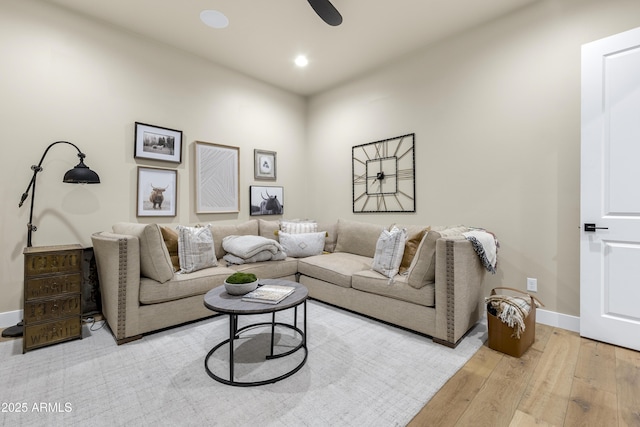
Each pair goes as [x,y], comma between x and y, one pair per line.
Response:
[52,295]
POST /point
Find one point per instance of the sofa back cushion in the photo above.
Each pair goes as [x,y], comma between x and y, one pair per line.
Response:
[155,262]
[331,236]
[423,266]
[269,229]
[358,238]
[221,231]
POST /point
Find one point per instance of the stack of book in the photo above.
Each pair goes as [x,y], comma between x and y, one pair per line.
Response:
[269,294]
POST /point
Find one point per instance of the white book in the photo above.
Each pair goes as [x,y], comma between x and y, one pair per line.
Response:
[269,294]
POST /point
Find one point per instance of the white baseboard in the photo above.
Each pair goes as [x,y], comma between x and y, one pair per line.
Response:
[558,320]
[10,318]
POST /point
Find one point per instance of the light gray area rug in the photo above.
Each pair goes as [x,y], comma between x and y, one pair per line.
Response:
[358,372]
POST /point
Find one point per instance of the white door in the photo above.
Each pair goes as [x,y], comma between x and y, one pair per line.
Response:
[610,191]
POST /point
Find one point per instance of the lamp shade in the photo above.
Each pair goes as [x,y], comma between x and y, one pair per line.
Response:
[81,174]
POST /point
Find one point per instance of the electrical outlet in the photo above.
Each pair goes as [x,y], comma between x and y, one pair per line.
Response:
[532,284]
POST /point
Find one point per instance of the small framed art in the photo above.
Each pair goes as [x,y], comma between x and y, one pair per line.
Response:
[266,200]
[157,192]
[264,165]
[217,178]
[157,143]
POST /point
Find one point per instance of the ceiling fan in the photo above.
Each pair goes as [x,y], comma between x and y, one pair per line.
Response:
[326,11]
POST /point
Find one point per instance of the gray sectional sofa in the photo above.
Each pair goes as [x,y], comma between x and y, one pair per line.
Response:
[441,293]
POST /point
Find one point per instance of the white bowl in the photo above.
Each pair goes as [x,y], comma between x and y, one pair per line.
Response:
[240,288]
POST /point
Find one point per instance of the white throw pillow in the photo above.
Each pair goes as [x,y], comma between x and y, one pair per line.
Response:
[195,249]
[389,251]
[302,245]
[298,226]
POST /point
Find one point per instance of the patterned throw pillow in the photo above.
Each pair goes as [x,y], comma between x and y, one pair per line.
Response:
[410,249]
[195,249]
[389,251]
[302,245]
[298,226]
[170,237]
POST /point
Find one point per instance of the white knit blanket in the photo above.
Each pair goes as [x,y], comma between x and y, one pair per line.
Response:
[245,249]
[486,246]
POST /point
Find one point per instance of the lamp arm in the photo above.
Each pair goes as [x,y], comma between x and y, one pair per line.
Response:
[32,186]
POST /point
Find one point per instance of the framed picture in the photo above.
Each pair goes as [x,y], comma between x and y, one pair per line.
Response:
[217,178]
[266,200]
[156,143]
[157,191]
[264,165]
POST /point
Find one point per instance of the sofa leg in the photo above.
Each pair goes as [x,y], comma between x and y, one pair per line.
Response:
[446,343]
[128,339]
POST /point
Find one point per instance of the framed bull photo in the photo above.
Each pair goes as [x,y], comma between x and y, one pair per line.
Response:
[266,200]
[157,143]
[157,192]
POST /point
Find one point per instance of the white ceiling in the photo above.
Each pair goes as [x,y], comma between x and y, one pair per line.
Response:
[264,36]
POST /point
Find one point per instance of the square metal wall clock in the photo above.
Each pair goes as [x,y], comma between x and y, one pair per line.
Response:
[384,175]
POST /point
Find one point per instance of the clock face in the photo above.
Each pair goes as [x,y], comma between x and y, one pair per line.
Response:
[384,175]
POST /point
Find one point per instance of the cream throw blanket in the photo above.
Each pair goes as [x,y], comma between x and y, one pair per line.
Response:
[486,246]
[247,249]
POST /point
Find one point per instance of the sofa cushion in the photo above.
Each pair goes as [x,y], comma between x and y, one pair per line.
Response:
[219,232]
[155,262]
[170,237]
[389,251]
[411,247]
[302,245]
[331,228]
[336,268]
[358,238]
[183,285]
[375,283]
[269,269]
[269,229]
[423,266]
[195,248]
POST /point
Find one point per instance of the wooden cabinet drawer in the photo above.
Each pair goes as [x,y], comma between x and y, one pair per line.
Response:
[39,335]
[57,308]
[49,286]
[39,262]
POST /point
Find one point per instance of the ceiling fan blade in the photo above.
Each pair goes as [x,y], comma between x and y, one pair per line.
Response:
[326,11]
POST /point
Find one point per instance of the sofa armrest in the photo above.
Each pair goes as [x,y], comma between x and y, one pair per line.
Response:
[459,289]
[118,262]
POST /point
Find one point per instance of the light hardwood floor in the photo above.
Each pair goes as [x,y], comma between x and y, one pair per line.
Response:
[562,380]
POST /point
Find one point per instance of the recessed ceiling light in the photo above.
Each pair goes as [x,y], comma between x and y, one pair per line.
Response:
[301,61]
[214,19]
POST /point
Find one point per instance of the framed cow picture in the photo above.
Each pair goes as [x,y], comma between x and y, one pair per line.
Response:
[157,192]
[266,200]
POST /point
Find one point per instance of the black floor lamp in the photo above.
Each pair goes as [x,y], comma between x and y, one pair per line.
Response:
[80,174]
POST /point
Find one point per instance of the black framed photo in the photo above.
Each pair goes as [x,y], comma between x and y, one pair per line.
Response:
[157,143]
[157,192]
[264,165]
[266,200]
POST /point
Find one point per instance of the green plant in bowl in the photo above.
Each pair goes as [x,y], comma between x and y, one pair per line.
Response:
[240,283]
[239,278]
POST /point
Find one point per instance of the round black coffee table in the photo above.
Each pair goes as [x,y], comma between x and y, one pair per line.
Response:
[220,301]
